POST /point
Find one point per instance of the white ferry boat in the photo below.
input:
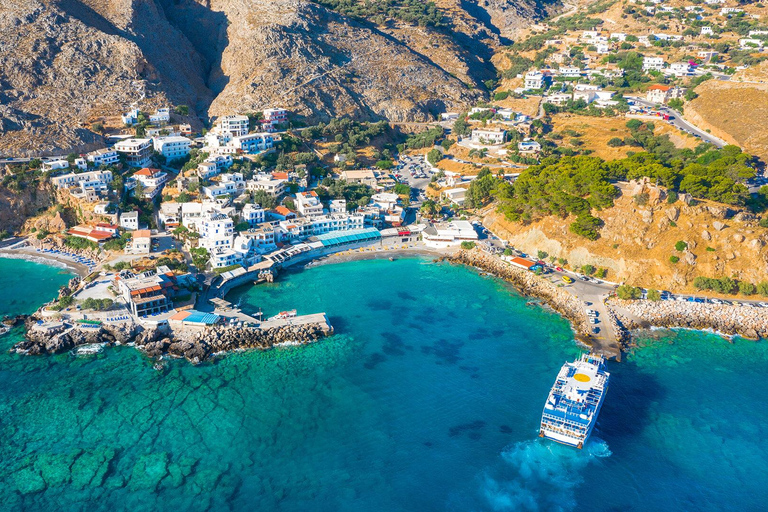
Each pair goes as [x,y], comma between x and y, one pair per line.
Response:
[575,400]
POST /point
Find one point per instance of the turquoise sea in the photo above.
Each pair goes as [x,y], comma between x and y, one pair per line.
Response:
[427,398]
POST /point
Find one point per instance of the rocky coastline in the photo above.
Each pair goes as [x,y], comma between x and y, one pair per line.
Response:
[624,316]
[745,321]
[193,345]
[531,285]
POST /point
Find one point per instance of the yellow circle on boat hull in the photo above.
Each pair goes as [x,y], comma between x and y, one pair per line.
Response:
[581,377]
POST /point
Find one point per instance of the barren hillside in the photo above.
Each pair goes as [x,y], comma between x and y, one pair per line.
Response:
[637,241]
[735,110]
[65,61]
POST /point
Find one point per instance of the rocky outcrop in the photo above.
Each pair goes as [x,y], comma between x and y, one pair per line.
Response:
[40,342]
[750,322]
[17,205]
[196,346]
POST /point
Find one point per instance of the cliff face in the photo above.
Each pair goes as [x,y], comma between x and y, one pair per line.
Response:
[67,61]
[16,207]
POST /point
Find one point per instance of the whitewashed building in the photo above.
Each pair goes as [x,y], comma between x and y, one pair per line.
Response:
[129,220]
[534,80]
[253,214]
[232,126]
[488,137]
[653,63]
[172,148]
[138,152]
[449,234]
[308,204]
[216,231]
[103,157]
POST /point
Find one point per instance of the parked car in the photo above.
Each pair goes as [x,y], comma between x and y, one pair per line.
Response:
[567,279]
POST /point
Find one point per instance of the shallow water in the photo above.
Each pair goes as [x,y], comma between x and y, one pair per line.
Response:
[427,398]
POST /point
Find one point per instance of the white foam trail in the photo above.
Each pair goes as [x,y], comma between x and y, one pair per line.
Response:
[539,475]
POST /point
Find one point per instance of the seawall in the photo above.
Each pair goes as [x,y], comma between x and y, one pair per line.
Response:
[749,322]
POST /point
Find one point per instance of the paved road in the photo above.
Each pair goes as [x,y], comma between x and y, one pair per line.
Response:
[678,121]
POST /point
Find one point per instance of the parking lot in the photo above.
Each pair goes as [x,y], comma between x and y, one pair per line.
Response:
[414,171]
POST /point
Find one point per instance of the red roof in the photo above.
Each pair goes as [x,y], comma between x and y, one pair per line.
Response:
[664,88]
[106,225]
[282,210]
[522,262]
[99,235]
[146,172]
[280,175]
[181,315]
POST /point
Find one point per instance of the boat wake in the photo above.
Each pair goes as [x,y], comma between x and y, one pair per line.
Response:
[539,475]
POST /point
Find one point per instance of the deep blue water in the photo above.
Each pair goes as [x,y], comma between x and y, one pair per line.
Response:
[427,398]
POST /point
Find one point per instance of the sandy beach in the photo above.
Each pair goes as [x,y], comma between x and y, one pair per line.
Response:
[29,254]
[356,255]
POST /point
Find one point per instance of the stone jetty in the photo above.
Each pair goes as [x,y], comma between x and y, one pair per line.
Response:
[749,322]
[196,345]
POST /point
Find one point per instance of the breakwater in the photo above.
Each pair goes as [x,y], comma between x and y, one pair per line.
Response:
[196,345]
[750,322]
[531,285]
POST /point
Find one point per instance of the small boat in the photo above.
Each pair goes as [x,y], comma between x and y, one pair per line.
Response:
[391,258]
[283,314]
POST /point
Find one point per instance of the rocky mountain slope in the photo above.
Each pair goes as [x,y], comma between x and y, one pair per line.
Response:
[64,62]
[636,241]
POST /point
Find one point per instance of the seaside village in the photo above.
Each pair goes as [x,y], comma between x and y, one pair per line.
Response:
[219,220]
[167,212]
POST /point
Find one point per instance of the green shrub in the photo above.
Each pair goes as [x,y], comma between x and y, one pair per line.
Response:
[467,245]
[627,292]
[674,259]
[680,246]
[654,295]
[746,288]
[587,226]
